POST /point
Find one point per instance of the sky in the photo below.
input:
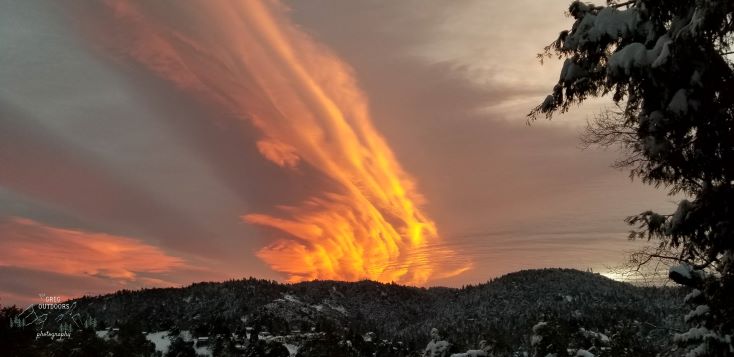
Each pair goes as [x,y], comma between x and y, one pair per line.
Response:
[148,144]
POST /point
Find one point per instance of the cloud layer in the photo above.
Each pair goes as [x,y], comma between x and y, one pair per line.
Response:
[31,245]
[92,260]
[258,139]
[253,63]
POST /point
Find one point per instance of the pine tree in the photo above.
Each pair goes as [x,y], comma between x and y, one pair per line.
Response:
[668,67]
[549,338]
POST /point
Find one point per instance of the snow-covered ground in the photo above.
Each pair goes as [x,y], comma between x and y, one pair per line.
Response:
[160,339]
[292,349]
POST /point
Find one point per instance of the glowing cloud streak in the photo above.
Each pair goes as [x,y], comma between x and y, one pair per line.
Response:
[33,245]
[250,59]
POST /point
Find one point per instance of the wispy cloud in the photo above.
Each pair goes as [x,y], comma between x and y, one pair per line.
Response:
[166,123]
[253,62]
[32,245]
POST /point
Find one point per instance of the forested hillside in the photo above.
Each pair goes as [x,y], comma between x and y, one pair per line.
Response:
[358,318]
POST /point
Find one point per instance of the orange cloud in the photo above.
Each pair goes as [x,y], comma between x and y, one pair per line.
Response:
[33,245]
[278,152]
[251,60]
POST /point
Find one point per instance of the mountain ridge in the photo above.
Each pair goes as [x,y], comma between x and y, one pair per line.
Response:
[505,307]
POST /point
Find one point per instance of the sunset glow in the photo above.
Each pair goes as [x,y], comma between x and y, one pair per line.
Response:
[368,223]
[165,143]
[31,245]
